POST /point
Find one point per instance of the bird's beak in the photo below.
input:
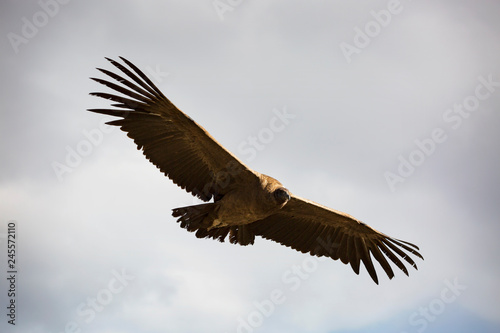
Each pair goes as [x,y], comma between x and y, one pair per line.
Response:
[286,195]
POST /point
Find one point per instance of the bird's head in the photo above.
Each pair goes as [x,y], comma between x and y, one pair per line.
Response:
[281,195]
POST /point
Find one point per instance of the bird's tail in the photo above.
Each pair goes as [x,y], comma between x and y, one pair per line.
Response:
[200,218]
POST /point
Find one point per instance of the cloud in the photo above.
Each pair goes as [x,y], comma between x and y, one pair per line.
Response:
[353,120]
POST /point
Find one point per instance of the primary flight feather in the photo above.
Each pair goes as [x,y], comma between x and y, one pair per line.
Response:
[241,203]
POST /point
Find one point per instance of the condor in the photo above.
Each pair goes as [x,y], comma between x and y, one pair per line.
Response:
[241,203]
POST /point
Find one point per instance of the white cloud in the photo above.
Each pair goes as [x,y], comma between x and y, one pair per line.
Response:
[352,121]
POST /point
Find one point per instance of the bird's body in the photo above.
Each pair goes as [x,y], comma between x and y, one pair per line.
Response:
[261,197]
[246,205]
[240,203]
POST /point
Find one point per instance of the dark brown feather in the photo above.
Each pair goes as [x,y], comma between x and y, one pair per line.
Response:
[170,139]
[195,161]
[310,227]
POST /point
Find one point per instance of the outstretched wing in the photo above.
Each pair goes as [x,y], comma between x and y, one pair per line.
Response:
[171,140]
[309,227]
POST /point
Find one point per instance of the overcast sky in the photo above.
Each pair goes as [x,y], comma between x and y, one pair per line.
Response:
[392,116]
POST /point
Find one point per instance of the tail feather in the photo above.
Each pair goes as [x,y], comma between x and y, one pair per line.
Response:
[192,217]
[200,218]
[241,235]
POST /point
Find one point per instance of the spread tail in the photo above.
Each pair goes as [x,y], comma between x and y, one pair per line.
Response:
[200,219]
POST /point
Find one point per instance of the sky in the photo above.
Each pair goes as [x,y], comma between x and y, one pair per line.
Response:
[388,111]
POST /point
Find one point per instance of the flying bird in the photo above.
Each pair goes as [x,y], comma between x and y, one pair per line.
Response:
[241,203]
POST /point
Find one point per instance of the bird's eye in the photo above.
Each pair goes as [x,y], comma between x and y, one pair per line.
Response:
[281,195]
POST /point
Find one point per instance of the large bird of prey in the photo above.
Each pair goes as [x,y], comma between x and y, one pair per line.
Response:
[241,203]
